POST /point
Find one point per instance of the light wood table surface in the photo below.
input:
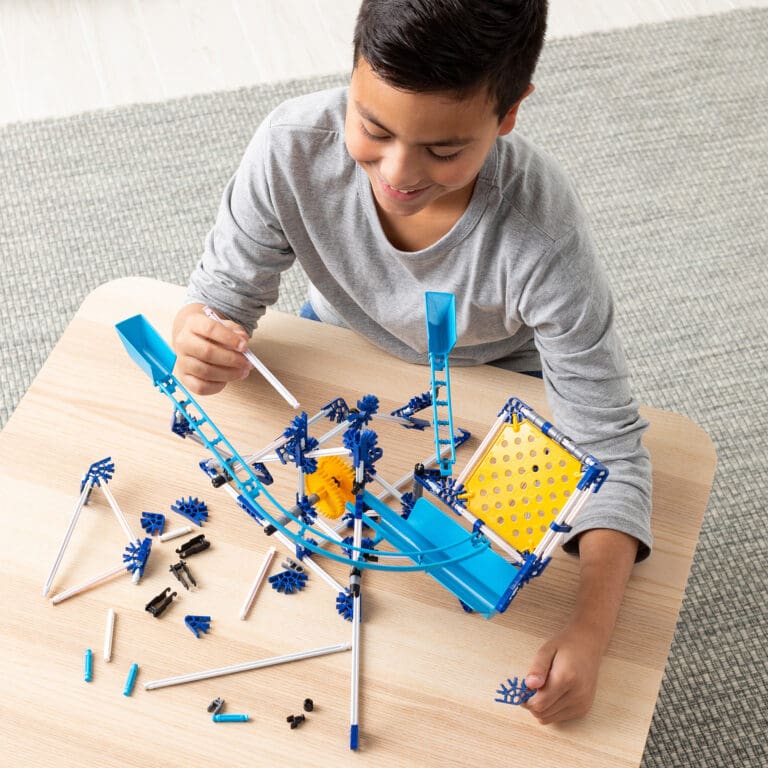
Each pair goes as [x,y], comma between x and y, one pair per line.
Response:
[429,670]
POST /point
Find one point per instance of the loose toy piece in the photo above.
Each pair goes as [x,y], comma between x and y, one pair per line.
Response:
[259,366]
[220,672]
[160,602]
[198,624]
[257,583]
[219,718]
[176,532]
[216,706]
[109,634]
[180,570]
[88,665]
[152,522]
[131,680]
[288,581]
[193,546]
[192,508]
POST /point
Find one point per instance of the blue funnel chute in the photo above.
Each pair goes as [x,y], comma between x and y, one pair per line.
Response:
[441,322]
[147,347]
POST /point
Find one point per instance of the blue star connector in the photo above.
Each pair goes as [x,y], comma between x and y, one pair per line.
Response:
[514,692]
[136,555]
[288,581]
[192,508]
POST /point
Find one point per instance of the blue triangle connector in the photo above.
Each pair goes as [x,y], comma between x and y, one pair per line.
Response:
[198,624]
[146,348]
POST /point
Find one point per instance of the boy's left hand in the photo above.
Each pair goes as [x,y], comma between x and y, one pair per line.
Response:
[564,670]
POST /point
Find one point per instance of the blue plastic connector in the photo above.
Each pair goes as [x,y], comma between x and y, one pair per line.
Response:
[288,581]
[192,508]
[344,602]
[152,522]
[514,693]
[99,472]
[88,663]
[136,555]
[353,736]
[131,680]
[233,718]
[198,624]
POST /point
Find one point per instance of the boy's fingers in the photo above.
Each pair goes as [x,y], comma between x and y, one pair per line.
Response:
[202,349]
[201,387]
[204,370]
[540,666]
[229,334]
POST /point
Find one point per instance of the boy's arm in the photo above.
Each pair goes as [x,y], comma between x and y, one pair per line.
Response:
[565,669]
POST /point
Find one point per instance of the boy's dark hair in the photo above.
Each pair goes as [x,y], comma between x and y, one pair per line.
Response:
[455,46]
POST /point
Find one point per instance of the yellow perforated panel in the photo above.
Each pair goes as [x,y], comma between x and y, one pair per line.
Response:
[521,484]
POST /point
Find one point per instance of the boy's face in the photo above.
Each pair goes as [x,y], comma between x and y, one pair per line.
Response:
[421,151]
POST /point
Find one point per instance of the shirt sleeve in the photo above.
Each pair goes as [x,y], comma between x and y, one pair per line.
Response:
[568,304]
[246,250]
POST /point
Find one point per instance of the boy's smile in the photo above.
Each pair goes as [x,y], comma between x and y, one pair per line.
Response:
[421,151]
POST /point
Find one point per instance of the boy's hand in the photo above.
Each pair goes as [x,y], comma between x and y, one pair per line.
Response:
[564,671]
[208,354]
[565,668]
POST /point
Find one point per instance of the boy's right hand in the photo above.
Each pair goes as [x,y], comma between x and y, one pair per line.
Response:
[208,354]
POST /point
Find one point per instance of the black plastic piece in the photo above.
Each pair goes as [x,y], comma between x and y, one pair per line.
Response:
[158,604]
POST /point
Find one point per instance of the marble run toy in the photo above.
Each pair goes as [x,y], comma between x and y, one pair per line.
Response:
[516,498]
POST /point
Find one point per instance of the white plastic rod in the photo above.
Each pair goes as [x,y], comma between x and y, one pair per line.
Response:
[260,367]
[176,532]
[67,536]
[119,514]
[88,584]
[257,583]
[246,667]
[109,634]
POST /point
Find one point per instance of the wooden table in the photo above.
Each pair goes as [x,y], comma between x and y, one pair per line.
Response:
[429,671]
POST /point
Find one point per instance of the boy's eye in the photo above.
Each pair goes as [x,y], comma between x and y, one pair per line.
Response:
[370,135]
[452,156]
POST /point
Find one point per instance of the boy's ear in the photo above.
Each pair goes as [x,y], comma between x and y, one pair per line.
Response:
[508,122]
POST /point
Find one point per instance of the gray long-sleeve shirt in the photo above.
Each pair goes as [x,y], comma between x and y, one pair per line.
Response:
[520,262]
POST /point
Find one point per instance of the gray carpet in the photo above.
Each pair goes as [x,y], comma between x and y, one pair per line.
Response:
[665,130]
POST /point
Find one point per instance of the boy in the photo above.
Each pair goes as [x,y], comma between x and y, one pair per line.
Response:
[412,180]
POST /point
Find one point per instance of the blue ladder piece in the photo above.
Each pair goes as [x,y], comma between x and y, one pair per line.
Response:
[481,580]
[441,338]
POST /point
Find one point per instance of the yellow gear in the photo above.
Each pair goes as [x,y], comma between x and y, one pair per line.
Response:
[332,483]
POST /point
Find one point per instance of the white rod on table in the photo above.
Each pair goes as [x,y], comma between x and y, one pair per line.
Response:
[109,634]
[257,583]
[246,667]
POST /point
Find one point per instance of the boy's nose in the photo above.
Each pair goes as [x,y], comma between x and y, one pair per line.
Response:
[399,170]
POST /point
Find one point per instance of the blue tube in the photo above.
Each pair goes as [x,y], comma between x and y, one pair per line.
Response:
[88,676]
[221,718]
[128,690]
